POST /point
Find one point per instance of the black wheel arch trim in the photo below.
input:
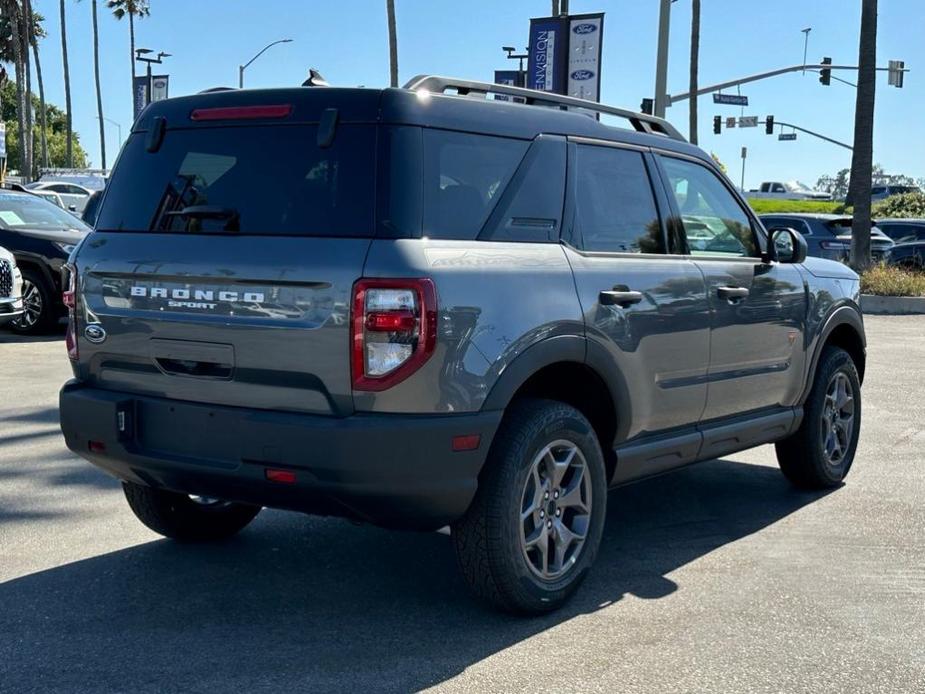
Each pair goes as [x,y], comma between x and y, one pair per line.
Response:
[843,315]
[574,349]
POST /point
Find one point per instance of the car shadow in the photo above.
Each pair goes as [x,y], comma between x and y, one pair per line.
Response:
[299,603]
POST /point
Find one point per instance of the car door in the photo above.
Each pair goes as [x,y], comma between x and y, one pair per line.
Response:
[758,307]
[645,309]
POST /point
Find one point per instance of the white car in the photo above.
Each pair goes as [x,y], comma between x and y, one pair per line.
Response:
[11,304]
[72,195]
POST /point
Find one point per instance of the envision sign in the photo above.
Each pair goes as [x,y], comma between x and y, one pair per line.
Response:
[564,55]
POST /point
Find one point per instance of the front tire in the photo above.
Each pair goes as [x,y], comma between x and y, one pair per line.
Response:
[534,527]
[185,518]
[40,310]
[820,453]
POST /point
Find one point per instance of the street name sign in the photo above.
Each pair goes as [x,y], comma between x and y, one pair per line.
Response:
[730,99]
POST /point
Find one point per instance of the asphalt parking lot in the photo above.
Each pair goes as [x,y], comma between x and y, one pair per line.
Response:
[715,578]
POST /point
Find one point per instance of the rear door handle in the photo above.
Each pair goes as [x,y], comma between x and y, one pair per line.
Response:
[613,297]
[732,294]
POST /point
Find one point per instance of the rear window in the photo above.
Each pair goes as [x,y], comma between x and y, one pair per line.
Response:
[272,180]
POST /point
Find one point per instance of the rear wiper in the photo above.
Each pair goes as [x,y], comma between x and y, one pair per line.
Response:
[229,214]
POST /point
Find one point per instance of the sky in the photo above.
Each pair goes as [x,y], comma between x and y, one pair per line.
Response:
[347,41]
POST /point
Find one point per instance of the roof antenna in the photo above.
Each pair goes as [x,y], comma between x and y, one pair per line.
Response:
[315,79]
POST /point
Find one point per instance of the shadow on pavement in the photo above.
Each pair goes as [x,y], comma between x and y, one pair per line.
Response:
[306,603]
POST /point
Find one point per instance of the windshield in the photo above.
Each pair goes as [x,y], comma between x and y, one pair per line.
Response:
[21,211]
[798,185]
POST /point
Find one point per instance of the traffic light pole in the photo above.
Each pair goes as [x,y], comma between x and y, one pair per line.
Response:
[669,99]
[814,134]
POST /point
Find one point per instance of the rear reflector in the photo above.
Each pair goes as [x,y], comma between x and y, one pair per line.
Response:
[241,112]
[469,442]
[281,476]
[97,446]
[391,321]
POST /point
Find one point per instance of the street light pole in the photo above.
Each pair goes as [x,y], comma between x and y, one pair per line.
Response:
[805,43]
[661,61]
[141,57]
[242,68]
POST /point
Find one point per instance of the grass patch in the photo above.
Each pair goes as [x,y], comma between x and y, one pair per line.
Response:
[770,206]
[884,280]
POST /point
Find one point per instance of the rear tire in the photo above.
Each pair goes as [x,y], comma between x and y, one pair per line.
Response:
[533,530]
[181,517]
[820,453]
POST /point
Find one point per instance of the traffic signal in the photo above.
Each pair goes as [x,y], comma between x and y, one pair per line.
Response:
[825,74]
[717,125]
[769,125]
[647,106]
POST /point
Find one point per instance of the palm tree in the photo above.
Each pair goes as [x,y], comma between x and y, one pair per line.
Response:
[26,30]
[130,9]
[695,59]
[13,50]
[862,158]
[555,8]
[69,149]
[99,93]
[393,44]
[38,32]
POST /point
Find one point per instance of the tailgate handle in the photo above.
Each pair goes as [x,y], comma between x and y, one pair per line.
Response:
[199,359]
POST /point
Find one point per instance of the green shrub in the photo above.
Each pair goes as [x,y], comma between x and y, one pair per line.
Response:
[884,280]
[908,205]
[770,205]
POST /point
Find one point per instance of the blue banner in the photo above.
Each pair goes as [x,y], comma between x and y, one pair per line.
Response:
[548,51]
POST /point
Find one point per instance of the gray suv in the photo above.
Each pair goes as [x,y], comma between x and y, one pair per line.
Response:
[423,307]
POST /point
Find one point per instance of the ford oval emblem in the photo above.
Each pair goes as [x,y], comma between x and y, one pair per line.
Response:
[584,28]
[580,75]
[95,333]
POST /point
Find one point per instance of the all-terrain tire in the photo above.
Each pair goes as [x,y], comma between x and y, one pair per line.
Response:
[182,518]
[489,547]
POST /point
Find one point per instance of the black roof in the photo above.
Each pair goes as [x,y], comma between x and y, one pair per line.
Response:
[404,107]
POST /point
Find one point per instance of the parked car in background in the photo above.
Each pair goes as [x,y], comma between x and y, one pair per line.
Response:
[878,193]
[41,236]
[827,235]
[790,190]
[902,230]
[909,255]
[10,288]
[74,196]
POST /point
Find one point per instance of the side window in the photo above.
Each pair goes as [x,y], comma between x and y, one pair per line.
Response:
[713,220]
[778,188]
[615,207]
[464,176]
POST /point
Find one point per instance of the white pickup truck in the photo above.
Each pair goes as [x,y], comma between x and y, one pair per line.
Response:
[791,190]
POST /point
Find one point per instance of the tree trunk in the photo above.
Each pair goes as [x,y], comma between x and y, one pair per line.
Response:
[555,8]
[27,30]
[393,44]
[25,168]
[43,123]
[695,60]
[99,93]
[862,158]
[131,57]
[69,149]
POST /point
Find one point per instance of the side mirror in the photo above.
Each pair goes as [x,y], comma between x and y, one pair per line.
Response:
[786,245]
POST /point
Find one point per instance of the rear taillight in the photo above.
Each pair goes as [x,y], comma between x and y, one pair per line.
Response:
[69,297]
[394,330]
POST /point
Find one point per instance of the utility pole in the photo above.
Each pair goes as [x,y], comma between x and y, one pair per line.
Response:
[744,157]
[661,60]
[695,66]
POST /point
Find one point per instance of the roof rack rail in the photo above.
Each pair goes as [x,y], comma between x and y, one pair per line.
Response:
[641,122]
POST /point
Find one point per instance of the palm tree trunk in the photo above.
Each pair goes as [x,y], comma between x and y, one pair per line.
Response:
[862,158]
[25,28]
[393,44]
[69,150]
[16,30]
[555,8]
[131,56]
[43,124]
[99,93]
[695,66]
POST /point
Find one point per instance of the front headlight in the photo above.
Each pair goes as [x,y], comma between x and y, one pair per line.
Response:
[66,247]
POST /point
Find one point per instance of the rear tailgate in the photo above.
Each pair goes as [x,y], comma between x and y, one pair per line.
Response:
[227,246]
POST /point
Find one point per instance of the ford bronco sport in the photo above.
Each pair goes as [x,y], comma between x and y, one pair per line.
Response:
[424,307]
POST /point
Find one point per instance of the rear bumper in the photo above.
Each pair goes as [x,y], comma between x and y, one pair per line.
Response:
[391,470]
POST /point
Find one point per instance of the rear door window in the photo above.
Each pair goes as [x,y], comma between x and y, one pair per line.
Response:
[464,177]
[272,180]
[615,210]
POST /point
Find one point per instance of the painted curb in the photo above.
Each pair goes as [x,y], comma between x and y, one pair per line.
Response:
[892,305]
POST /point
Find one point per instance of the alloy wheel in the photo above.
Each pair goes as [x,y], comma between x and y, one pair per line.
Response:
[32,306]
[837,419]
[555,512]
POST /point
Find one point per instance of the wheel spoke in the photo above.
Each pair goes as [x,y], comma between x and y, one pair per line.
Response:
[572,497]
